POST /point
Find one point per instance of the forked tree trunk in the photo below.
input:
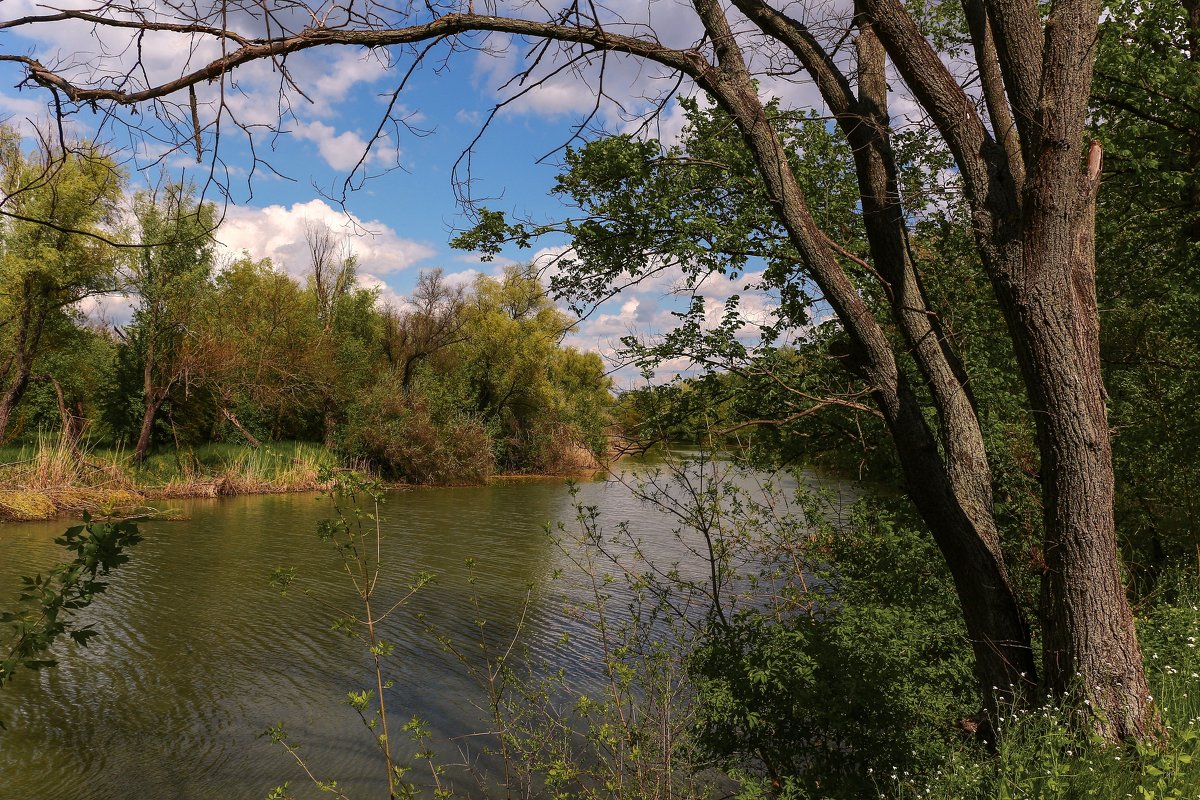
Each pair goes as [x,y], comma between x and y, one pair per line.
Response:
[1089,641]
[72,425]
[1033,213]
[963,530]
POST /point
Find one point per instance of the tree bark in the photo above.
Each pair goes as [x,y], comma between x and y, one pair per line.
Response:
[12,396]
[1089,640]
[233,420]
[71,424]
[1036,240]
[147,430]
[152,397]
[1004,663]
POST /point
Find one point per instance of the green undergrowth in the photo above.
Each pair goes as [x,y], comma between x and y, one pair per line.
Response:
[1042,756]
[868,690]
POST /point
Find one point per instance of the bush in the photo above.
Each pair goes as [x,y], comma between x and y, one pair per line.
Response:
[396,434]
[871,677]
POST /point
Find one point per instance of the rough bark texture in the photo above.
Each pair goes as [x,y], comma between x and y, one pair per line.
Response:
[1088,630]
[1036,242]
[960,516]
[147,429]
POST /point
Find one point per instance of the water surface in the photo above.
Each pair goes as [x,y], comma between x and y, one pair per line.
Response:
[198,654]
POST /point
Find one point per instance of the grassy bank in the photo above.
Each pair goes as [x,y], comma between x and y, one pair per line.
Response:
[1043,755]
[46,479]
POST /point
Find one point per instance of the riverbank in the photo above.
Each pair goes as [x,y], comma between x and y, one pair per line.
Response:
[46,481]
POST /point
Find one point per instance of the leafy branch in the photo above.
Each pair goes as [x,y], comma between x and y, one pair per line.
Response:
[48,602]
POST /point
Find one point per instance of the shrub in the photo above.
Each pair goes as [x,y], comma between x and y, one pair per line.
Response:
[397,435]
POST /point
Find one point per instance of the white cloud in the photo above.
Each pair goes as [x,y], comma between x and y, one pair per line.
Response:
[328,78]
[464,278]
[277,232]
[108,309]
[387,296]
[342,151]
[20,109]
[466,117]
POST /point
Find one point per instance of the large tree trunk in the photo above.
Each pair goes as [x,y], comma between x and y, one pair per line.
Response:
[1089,641]
[1034,223]
[12,396]
[952,490]
[143,442]
[960,520]
[152,397]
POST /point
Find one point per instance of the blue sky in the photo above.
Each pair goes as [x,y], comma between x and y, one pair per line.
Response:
[402,219]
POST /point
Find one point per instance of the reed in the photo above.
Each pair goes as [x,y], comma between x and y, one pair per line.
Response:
[47,479]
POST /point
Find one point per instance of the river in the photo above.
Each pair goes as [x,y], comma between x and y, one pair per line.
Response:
[197,653]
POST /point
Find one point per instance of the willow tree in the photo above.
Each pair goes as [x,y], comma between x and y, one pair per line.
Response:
[1029,177]
[170,274]
[60,203]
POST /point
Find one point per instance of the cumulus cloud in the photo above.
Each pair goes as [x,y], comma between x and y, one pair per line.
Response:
[257,94]
[342,151]
[23,112]
[464,278]
[386,295]
[277,232]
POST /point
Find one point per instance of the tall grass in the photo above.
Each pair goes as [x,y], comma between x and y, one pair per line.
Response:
[218,469]
[45,479]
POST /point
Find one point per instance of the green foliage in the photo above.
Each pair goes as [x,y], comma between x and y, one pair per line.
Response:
[1042,754]
[446,390]
[1147,109]
[871,672]
[833,662]
[48,262]
[498,391]
[48,602]
[398,435]
[81,358]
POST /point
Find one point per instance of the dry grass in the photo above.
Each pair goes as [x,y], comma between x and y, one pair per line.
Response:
[261,471]
[560,452]
[47,480]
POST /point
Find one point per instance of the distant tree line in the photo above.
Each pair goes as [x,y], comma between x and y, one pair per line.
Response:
[458,382]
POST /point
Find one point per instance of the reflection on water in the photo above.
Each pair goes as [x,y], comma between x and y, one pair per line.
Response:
[198,655]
